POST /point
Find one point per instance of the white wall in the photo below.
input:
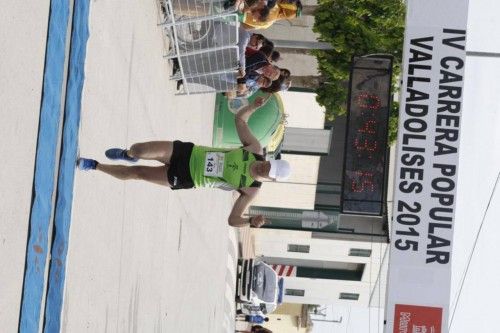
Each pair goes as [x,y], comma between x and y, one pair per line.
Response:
[299,29]
[299,191]
[274,243]
[299,64]
[303,110]
[322,291]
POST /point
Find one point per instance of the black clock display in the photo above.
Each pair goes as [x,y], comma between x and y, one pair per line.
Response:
[365,160]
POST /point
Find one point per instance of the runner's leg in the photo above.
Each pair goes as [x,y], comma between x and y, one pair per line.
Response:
[160,151]
[156,175]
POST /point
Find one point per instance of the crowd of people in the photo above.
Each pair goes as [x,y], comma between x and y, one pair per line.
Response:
[258,69]
[258,58]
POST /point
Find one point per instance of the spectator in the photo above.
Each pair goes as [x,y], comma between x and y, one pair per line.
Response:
[258,59]
[275,56]
[260,329]
[249,87]
[283,10]
[270,71]
[256,319]
[257,329]
[252,10]
[256,41]
[282,83]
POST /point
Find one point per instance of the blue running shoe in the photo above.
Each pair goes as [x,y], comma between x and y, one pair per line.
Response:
[86,164]
[119,154]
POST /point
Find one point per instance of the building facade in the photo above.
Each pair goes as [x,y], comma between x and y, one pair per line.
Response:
[325,257]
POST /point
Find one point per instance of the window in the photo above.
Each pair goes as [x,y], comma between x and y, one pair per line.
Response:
[298,248]
[349,296]
[360,252]
[294,292]
[342,271]
[345,230]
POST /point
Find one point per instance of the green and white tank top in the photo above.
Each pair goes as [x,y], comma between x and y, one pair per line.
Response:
[227,169]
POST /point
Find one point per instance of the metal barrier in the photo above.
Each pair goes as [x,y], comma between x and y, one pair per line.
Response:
[204,38]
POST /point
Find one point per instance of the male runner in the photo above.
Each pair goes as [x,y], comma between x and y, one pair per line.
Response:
[187,166]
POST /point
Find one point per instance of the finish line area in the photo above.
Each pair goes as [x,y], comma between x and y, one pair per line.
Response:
[86,252]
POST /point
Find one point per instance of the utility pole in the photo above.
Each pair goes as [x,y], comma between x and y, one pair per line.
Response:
[482,54]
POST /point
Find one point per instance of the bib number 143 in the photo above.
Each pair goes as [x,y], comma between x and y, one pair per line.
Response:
[214,164]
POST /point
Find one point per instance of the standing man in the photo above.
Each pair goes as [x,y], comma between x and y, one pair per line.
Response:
[189,166]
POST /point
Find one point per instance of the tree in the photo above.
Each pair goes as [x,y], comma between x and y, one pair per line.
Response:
[355,27]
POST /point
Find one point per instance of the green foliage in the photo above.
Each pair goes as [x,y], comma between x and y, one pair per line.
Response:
[356,27]
[393,122]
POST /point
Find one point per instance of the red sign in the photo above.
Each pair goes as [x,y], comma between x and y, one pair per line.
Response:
[417,319]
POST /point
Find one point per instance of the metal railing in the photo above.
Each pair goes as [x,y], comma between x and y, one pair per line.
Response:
[203,38]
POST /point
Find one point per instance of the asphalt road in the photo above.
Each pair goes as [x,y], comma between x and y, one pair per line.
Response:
[141,258]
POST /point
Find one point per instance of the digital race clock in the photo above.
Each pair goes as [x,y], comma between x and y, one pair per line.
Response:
[365,160]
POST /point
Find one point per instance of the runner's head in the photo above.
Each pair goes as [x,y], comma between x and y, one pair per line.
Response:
[280,170]
[274,169]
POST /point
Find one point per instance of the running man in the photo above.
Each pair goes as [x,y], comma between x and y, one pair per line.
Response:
[189,166]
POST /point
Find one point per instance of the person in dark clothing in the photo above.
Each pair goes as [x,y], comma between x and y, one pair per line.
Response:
[275,56]
[258,59]
[282,83]
[257,329]
[260,329]
[256,319]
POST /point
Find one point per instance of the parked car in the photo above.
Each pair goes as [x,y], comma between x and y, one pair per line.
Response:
[259,290]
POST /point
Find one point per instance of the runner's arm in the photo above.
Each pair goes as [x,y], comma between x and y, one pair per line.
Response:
[236,218]
[249,141]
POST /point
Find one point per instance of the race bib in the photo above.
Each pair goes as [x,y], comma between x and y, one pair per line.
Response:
[214,164]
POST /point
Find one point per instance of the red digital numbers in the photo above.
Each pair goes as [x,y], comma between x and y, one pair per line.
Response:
[368,101]
[368,127]
[366,145]
[365,141]
[364,178]
[362,182]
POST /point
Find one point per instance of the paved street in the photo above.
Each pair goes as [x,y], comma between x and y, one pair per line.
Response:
[141,258]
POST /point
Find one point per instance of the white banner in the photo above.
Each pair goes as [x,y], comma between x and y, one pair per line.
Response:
[419,278]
